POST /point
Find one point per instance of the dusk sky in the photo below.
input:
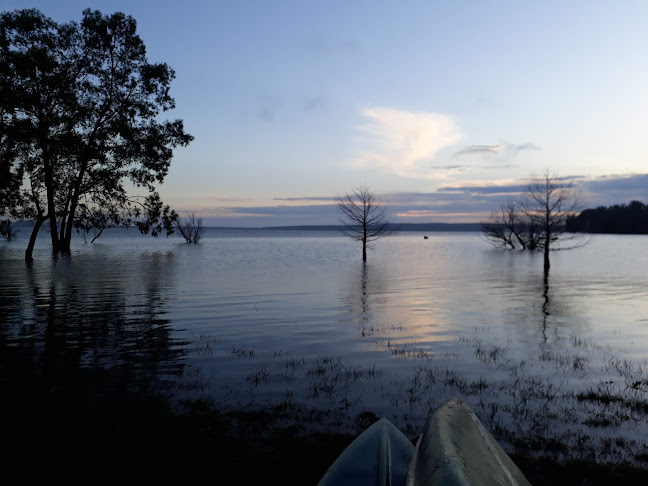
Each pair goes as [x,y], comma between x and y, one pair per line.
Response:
[443,108]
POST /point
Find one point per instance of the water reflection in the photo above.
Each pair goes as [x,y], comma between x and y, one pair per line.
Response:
[545,303]
[364,297]
[541,305]
[87,324]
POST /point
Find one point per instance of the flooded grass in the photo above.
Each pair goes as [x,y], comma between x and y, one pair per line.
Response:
[562,423]
[578,407]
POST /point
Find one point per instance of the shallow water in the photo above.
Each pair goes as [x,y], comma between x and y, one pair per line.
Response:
[251,317]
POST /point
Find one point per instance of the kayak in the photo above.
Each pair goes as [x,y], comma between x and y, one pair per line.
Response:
[380,456]
[453,449]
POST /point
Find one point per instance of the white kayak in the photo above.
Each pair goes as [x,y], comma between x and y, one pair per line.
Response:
[454,449]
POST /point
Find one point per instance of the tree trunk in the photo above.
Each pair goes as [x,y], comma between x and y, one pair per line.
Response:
[51,206]
[364,242]
[32,239]
[74,202]
[49,188]
[546,249]
[65,242]
[545,304]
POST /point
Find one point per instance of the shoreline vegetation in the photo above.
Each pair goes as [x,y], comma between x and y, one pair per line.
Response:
[629,218]
[405,227]
[138,436]
[90,423]
[557,432]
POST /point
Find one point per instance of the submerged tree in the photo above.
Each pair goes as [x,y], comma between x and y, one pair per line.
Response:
[191,230]
[550,201]
[537,221]
[507,228]
[80,107]
[364,217]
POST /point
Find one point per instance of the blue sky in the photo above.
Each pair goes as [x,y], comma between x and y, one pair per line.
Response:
[443,108]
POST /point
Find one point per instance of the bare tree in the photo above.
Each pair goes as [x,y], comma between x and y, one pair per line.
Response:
[364,217]
[192,230]
[506,229]
[536,222]
[549,202]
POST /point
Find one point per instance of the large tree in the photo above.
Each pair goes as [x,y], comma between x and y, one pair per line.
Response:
[364,217]
[80,125]
[537,220]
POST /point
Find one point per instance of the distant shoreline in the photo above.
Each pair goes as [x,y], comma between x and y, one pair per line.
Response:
[394,227]
[468,227]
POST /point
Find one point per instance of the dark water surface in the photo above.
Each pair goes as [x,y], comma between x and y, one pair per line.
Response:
[294,319]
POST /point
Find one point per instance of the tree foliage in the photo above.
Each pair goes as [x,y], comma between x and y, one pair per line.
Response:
[364,217]
[537,221]
[619,218]
[80,124]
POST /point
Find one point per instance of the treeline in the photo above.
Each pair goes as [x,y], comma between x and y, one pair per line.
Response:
[621,219]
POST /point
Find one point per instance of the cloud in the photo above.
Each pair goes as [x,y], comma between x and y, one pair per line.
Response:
[465,167]
[451,167]
[614,189]
[524,146]
[228,199]
[501,150]
[488,189]
[480,149]
[450,203]
[404,142]
[306,198]
[596,191]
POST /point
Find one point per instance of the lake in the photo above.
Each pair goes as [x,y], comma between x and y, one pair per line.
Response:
[295,322]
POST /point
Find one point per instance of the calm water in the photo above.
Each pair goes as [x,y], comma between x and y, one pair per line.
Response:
[251,318]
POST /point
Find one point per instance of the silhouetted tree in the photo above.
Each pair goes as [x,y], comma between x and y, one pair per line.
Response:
[192,230]
[537,221]
[550,200]
[508,228]
[364,217]
[620,218]
[81,107]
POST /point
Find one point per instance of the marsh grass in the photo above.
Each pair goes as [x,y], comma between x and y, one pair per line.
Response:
[561,423]
[242,352]
[573,402]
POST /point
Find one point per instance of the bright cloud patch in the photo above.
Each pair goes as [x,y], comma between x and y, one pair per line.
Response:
[404,142]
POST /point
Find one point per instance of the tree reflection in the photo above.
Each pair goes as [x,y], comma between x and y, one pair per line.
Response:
[545,303]
[89,327]
[358,298]
[364,296]
[539,302]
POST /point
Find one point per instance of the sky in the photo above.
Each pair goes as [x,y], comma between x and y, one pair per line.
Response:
[442,108]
